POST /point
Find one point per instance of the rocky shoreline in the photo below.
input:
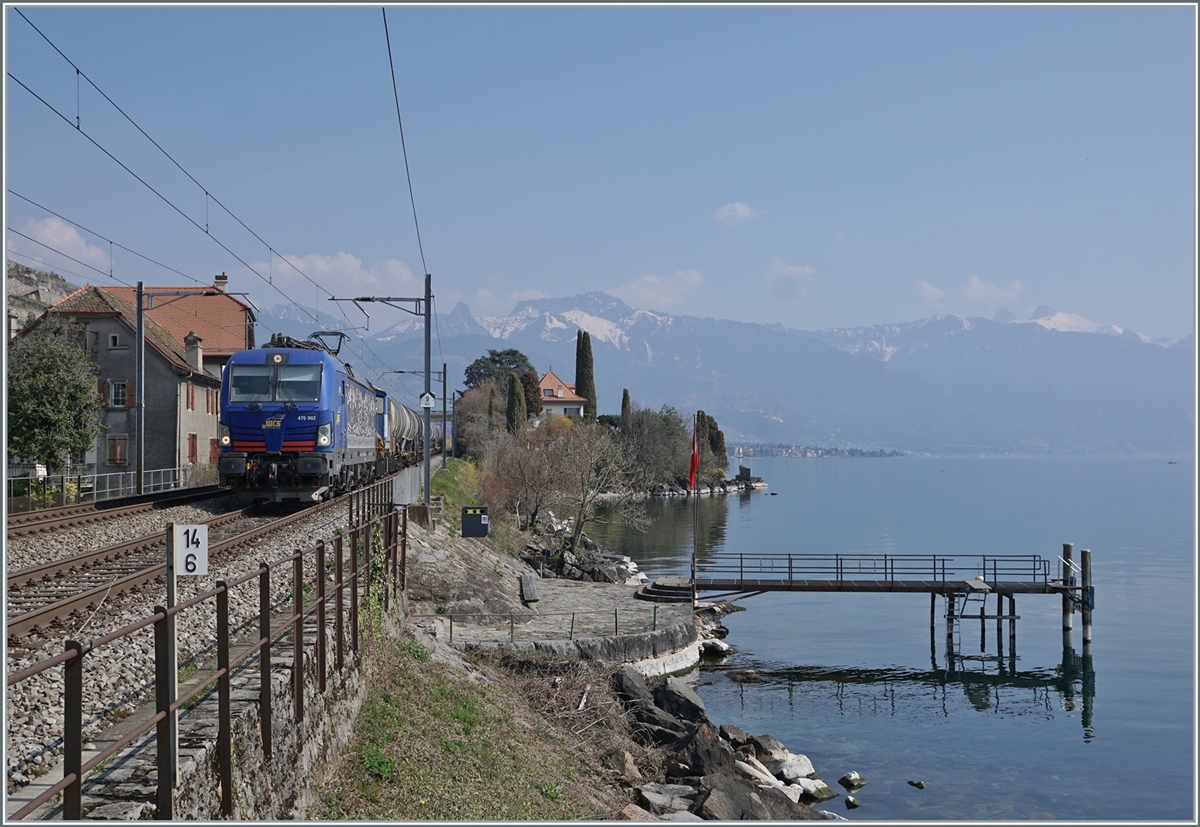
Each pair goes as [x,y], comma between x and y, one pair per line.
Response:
[716,772]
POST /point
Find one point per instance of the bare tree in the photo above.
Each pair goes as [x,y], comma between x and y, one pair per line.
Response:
[594,473]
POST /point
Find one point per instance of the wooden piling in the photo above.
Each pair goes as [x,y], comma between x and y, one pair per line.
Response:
[1012,625]
[1068,578]
[1085,572]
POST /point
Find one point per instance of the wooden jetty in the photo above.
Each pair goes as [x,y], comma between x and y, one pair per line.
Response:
[966,581]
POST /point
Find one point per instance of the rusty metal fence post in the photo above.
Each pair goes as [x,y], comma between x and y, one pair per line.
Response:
[73,732]
[321,577]
[162,698]
[298,633]
[264,657]
[404,552]
[224,706]
[338,564]
[354,534]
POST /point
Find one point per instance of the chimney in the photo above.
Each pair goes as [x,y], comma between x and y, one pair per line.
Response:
[195,353]
[220,282]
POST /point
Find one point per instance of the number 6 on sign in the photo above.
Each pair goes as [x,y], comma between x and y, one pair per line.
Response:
[191,549]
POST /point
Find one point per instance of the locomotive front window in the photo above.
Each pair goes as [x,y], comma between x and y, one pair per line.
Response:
[250,383]
[299,383]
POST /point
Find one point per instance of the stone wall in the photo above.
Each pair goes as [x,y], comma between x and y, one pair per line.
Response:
[303,756]
[631,648]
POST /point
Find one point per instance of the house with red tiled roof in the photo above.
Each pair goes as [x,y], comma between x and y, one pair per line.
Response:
[188,340]
[559,398]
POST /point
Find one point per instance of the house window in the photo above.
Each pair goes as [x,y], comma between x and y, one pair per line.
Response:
[114,340]
[118,395]
[572,411]
[214,452]
[560,391]
[548,392]
[117,454]
[193,449]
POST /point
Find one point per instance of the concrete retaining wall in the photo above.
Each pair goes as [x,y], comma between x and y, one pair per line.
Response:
[658,645]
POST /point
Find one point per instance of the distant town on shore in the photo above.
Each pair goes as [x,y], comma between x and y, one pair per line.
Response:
[750,451]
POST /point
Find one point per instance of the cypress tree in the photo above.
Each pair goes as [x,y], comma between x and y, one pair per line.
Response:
[585,384]
[533,393]
[515,413]
[626,410]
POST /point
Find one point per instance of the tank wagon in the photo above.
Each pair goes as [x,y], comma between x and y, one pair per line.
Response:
[296,425]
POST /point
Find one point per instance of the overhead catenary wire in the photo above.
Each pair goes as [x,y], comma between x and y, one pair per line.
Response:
[109,240]
[403,148]
[207,194]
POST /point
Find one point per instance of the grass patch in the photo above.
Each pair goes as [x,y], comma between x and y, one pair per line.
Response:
[458,485]
[430,743]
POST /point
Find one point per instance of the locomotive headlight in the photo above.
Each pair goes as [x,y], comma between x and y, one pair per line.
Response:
[225,440]
[325,434]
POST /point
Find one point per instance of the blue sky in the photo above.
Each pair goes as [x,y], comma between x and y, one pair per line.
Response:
[810,166]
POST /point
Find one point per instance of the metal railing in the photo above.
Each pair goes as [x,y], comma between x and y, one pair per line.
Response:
[499,627]
[53,490]
[889,568]
[377,547]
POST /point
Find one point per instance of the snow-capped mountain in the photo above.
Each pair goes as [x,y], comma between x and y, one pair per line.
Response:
[1055,383]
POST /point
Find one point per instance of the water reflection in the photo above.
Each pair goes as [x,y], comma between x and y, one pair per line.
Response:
[665,547]
[988,684]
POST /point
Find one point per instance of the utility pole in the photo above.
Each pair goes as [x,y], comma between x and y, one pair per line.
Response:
[416,310]
[445,427]
[139,369]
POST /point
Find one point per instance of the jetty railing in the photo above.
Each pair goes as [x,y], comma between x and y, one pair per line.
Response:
[889,568]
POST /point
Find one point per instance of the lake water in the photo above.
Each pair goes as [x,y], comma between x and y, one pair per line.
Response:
[858,682]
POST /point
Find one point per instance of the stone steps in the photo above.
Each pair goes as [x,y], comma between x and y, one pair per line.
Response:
[666,590]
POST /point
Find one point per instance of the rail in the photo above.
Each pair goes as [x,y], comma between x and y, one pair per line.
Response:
[377,548]
[887,568]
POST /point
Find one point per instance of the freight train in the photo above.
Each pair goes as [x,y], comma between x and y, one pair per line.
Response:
[296,425]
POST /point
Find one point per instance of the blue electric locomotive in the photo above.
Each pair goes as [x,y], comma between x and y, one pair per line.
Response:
[297,426]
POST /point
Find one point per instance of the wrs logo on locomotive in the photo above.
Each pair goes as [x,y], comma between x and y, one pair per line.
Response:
[297,425]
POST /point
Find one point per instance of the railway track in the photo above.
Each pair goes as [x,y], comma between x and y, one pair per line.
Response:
[52,592]
[34,522]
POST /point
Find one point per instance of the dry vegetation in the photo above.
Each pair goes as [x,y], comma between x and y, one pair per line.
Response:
[430,743]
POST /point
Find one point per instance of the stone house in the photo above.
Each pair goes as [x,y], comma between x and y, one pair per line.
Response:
[182,370]
[559,398]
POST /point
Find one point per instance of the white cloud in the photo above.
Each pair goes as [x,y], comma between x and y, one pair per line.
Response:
[929,293]
[736,213]
[989,293]
[342,275]
[788,280]
[59,236]
[658,292]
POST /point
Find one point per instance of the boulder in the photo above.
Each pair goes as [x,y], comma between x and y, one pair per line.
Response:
[657,726]
[852,781]
[735,735]
[715,648]
[813,789]
[725,797]
[757,774]
[769,749]
[631,686]
[679,815]
[852,803]
[792,768]
[831,816]
[703,751]
[626,769]
[632,812]
[677,698]
[665,798]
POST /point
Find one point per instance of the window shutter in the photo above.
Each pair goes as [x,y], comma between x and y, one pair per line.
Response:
[130,396]
[102,389]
